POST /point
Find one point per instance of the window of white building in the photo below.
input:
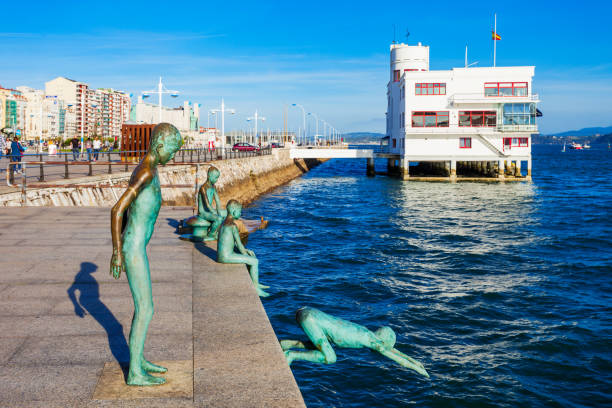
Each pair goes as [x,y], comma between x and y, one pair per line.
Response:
[465,142]
[430,119]
[436,88]
[519,113]
[477,118]
[505,88]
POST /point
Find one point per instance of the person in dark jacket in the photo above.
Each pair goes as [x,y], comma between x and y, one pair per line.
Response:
[75,142]
[16,153]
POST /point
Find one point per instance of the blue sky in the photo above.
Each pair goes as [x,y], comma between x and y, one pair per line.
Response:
[331,57]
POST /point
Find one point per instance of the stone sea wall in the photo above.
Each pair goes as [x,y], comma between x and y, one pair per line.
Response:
[242,179]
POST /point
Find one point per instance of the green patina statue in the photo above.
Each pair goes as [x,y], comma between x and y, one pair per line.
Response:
[132,223]
[229,238]
[205,225]
[323,329]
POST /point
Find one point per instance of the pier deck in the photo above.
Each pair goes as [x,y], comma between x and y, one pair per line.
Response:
[63,318]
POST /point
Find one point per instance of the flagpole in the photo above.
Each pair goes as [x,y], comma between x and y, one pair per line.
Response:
[494,40]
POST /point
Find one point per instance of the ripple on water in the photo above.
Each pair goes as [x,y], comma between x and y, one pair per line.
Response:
[503,291]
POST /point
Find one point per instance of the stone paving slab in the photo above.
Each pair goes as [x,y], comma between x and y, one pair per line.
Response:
[63,318]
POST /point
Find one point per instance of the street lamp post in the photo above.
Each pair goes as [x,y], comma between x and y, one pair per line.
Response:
[303,120]
[316,125]
[160,91]
[222,110]
[82,118]
[256,118]
[325,125]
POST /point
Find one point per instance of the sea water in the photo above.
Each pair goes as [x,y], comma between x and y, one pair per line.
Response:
[502,290]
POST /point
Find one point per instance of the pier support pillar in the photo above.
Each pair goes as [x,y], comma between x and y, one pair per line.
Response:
[391,167]
[405,169]
[453,170]
[501,170]
[529,169]
[517,169]
[370,167]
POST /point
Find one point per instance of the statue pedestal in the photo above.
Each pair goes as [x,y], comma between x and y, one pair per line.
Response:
[179,383]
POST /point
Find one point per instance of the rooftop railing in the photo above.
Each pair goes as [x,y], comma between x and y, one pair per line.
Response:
[480,97]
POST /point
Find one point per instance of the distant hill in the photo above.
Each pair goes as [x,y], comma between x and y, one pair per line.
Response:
[592,135]
[591,131]
[603,139]
[362,137]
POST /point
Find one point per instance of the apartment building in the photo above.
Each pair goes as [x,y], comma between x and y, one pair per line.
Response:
[44,114]
[90,111]
[12,110]
[185,118]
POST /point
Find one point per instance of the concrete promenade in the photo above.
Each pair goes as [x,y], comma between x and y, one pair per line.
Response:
[63,318]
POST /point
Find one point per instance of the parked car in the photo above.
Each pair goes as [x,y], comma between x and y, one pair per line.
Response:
[244,147]
[275,145]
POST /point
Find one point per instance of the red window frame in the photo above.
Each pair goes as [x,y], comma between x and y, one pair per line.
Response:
[396,75]
[465,142]
[410,70]
[484,114]
[424,114]
[510,142]
[440,87]
[513,85]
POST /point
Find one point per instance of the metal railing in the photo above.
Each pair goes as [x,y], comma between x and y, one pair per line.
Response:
[517,128]
[481,97]
[130,158]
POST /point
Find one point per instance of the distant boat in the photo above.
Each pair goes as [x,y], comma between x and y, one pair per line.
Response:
[575,146]
[563,151]
[586,145]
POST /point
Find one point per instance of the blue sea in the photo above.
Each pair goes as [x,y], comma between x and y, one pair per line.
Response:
[502,291]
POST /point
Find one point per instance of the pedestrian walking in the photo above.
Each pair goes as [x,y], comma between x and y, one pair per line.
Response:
[3,146]
[16,153]
[97,144]
[75,148]
[88,147]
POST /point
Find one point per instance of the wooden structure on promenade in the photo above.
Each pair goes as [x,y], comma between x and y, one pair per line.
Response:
[135,141]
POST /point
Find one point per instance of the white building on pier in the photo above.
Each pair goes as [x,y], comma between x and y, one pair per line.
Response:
[481,117]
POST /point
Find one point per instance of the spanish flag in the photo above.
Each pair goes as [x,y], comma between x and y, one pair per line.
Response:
[496,36]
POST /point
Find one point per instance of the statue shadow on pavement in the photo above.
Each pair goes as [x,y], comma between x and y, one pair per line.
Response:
[173,223]
[206,250]
[88,302]
[200,246]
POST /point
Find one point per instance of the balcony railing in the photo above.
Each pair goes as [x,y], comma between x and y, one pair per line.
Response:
[517,128]
[488,130]
[481,98]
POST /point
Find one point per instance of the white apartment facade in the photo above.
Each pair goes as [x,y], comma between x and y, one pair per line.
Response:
[90,112]
[484,114]
[43,114]
[185,118]
[78,99]
[110,110]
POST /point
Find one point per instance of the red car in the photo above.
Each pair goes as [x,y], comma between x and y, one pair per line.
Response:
[244,147]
